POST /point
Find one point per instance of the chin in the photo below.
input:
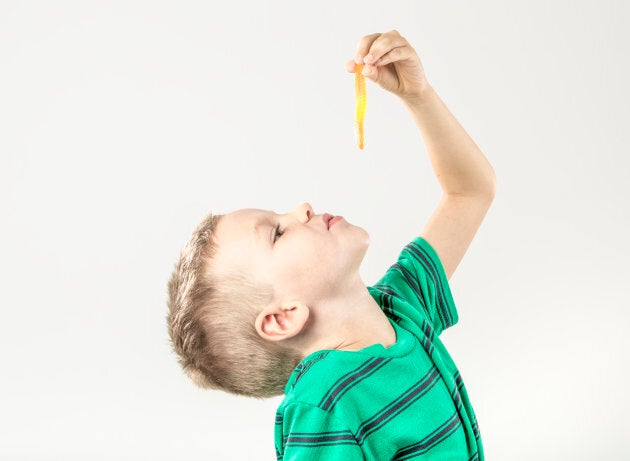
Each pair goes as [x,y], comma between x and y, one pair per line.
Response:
[366,239]
[363,243]
[359,243]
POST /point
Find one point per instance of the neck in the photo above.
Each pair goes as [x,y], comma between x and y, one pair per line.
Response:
[351,321]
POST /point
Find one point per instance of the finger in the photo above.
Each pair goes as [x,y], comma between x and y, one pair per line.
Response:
[350,66]
[397,54]
[363,46]
[383,45]
[370,72]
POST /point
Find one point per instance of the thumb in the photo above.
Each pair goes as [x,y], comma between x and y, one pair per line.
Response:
[350,65]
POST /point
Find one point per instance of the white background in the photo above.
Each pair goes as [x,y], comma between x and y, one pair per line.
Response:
[123,123]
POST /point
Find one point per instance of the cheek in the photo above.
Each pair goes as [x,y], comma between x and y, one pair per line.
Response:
[306,262]
[306,266]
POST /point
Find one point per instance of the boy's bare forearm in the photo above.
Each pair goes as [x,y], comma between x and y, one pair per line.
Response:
[466,176]
[459,165]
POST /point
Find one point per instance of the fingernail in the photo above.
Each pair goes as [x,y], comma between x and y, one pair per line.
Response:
[369,58]
[366,70]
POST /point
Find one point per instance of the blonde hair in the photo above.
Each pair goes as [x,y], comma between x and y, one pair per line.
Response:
[211,323]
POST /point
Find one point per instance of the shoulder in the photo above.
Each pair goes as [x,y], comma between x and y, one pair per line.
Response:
[416,287]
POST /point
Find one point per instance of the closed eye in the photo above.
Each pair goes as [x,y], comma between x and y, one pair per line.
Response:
[277,233]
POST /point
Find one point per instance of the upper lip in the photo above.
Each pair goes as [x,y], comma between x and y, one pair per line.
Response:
[326,218]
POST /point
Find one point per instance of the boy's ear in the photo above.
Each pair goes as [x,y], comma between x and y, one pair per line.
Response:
[276,323]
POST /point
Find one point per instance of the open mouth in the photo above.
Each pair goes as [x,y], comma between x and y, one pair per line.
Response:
[327,218]
[330,220]
[334,220]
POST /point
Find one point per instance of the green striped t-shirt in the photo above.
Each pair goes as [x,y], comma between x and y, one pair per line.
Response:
[406,401]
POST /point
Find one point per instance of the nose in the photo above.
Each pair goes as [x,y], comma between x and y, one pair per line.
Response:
[304,212]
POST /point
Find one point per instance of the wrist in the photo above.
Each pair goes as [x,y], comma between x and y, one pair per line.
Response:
[419,97]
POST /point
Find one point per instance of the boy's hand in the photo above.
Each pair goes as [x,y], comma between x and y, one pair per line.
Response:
[391,62]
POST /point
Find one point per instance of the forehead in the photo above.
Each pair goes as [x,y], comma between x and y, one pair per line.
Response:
[238,243]
[239,225]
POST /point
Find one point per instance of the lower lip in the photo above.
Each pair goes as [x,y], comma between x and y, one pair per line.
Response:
[334,221]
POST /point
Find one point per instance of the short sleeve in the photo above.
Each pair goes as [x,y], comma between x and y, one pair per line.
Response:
[415,287]
[306,431]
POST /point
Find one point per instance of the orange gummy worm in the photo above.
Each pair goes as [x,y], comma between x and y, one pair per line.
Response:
[361,103]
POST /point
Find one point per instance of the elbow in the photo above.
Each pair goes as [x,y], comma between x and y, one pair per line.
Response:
[484,188]
[492,184]
[487,187]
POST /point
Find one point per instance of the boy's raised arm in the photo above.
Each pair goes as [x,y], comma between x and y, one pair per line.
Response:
[467,179]
[465,175]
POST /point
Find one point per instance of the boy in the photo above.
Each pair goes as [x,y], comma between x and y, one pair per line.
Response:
[263,304]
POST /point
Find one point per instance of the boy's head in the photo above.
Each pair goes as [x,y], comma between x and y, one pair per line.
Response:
[249,291]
